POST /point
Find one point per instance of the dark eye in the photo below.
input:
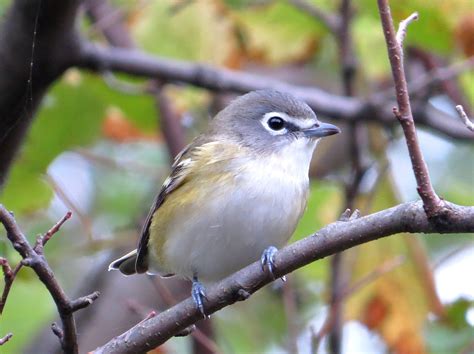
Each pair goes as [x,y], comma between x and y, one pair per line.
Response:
[276,123]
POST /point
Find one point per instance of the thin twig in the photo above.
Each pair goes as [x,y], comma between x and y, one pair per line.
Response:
[9,275]
[339,274]
[6,338]
[36,260]
[135,62]
[432,203]
[429,78]
[462,114]
[402,28]
[43,239]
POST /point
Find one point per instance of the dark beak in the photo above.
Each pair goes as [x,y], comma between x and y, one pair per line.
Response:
[321,130]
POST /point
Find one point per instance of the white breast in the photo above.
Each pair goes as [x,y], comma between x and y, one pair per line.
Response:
[233,226]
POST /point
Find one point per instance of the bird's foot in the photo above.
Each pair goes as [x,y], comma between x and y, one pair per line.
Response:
[198,293]
[268,259]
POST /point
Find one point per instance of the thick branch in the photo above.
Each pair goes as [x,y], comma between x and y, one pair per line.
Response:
[336,237]
[33,257]
[432,203]
[37,43]
[337,107]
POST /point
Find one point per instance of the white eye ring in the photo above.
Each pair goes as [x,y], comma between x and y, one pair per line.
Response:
[275,122]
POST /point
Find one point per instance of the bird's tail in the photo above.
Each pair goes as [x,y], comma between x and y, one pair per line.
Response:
[125,264]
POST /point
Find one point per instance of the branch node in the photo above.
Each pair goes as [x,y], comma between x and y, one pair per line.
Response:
[397,113]
[242,295]
[345,215]
[355,215]
[462,114]
[58,332]
[187,331]
[83,301]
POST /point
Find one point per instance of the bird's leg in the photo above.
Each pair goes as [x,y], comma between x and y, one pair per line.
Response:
[268,259]
[198,293]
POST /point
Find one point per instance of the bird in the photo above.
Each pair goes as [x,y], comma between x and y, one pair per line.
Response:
[235,194]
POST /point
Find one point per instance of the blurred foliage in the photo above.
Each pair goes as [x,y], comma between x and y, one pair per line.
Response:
[116,136]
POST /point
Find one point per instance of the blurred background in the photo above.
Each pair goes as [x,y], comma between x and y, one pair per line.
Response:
[101,145]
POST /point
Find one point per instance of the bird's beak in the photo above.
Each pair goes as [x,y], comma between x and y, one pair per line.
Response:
[321,130]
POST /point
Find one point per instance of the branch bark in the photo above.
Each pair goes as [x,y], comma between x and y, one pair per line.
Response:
[99,59]
[33,257]
[336,237]
[432,203]
[37,43]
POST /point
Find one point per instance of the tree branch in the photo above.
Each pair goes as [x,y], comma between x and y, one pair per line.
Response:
[37,43]
[34,258]
[336,237]
[432,203]
[135,62]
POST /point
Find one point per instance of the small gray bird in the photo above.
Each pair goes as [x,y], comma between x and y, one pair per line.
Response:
[234,194]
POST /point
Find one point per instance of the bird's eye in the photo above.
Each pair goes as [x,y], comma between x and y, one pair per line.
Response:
[276,123]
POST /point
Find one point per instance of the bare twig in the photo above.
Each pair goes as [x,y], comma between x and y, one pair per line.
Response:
[36,260]
[6,338]
[432,203]
[431,77]
[336,237]
[348,109]
[469,125]
[402,28]
[42,240]
[339,275]
[9,275]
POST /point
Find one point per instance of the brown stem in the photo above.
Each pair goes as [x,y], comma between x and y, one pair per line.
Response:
[339,275]
[34,259]
[431,202]
[9,276]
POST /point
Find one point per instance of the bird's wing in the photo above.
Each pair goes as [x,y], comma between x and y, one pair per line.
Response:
[179,171]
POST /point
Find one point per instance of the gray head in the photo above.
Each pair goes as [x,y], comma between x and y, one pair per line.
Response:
[265,118]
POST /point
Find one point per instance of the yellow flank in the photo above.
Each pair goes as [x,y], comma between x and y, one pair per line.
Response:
[211,163]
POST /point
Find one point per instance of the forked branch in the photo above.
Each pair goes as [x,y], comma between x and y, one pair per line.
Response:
[33,257]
